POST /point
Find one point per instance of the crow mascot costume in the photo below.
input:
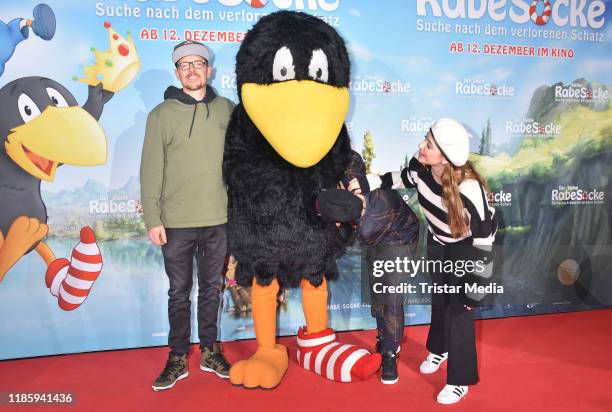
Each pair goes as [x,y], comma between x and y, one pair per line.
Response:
[286,142]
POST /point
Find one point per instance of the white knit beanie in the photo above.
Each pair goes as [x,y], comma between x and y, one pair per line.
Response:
[453,140]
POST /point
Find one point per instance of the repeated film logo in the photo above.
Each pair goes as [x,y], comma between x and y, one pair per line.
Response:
[532,129]
[416,126]
[228,82]
[574,195]
[499,199]
[581,93]
[375,86]
[561,13]
[565,20]
[199,10]
[312,5]
[478,88]
[115,206]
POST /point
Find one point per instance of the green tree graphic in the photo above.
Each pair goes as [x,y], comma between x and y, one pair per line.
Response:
[368,151]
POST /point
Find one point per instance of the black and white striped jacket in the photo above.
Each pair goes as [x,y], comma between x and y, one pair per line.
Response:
[482,227]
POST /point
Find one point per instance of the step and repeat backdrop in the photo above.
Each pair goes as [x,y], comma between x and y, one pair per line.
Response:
[531,80]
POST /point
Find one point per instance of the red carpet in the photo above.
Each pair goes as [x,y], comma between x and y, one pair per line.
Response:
[559,362]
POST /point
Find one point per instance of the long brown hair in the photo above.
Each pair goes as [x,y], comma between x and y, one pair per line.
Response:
[452,176]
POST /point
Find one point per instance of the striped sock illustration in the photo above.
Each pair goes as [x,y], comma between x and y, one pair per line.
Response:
[71,281]
[322,354]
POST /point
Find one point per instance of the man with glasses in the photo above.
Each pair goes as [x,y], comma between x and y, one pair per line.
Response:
[185,205]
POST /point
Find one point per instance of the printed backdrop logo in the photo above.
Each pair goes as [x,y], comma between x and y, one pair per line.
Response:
[575,20]
[574,195]
[199,10]
[117,206]
[540,18]
[575,13]
[580,93]
[499,199]
[375,86]
[312,5]
[256,3]
[483,88]
[532,129]
[228,82]
[416,126]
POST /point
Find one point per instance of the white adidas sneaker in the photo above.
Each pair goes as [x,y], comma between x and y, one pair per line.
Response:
[432,362]
[452,394]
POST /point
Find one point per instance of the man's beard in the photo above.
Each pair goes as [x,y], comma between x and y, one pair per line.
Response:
[194,85]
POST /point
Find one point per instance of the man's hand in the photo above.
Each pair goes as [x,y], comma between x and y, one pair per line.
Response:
[157,235]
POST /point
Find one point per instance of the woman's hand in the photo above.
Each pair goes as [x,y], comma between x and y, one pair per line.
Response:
[230,273]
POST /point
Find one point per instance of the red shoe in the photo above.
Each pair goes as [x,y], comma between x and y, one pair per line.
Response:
[322,354]
[71,281]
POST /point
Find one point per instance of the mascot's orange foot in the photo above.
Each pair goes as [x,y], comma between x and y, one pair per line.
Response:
[264,369]
[24,233]
[322,354]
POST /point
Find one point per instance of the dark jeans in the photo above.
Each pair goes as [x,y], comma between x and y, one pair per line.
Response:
[390,325]
[387,309]
[208,245]
[452,326]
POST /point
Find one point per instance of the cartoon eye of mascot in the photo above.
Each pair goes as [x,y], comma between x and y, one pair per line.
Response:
[285,143]
[41,128]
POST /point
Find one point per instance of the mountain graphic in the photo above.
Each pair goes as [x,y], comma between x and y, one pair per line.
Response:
[545,106]
[94,204]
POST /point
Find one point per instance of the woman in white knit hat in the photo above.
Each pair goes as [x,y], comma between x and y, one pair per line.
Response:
[452,196]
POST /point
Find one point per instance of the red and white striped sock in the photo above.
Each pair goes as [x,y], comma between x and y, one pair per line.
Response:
[322,354]
[71,281]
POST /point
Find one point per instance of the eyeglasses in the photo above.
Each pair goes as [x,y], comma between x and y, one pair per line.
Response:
[197,64]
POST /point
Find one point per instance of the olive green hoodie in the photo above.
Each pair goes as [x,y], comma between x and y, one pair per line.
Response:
[181,182]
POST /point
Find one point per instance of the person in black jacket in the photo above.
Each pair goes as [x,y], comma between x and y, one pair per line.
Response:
[386,222]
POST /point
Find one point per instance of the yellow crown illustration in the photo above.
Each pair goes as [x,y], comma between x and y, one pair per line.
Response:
[116,67]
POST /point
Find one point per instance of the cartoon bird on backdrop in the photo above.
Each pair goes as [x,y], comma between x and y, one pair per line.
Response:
[42,127]
[18,30]
[286,142]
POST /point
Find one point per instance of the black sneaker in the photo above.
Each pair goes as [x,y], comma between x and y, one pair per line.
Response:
[212,360]
[175,370]
[389,368]
[379,343]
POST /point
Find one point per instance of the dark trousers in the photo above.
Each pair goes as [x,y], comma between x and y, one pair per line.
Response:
[390,326]
[387,309]
[208,245]
[452,327]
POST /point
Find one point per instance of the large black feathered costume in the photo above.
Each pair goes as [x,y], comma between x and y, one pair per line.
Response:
[273,226]
[287,142]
